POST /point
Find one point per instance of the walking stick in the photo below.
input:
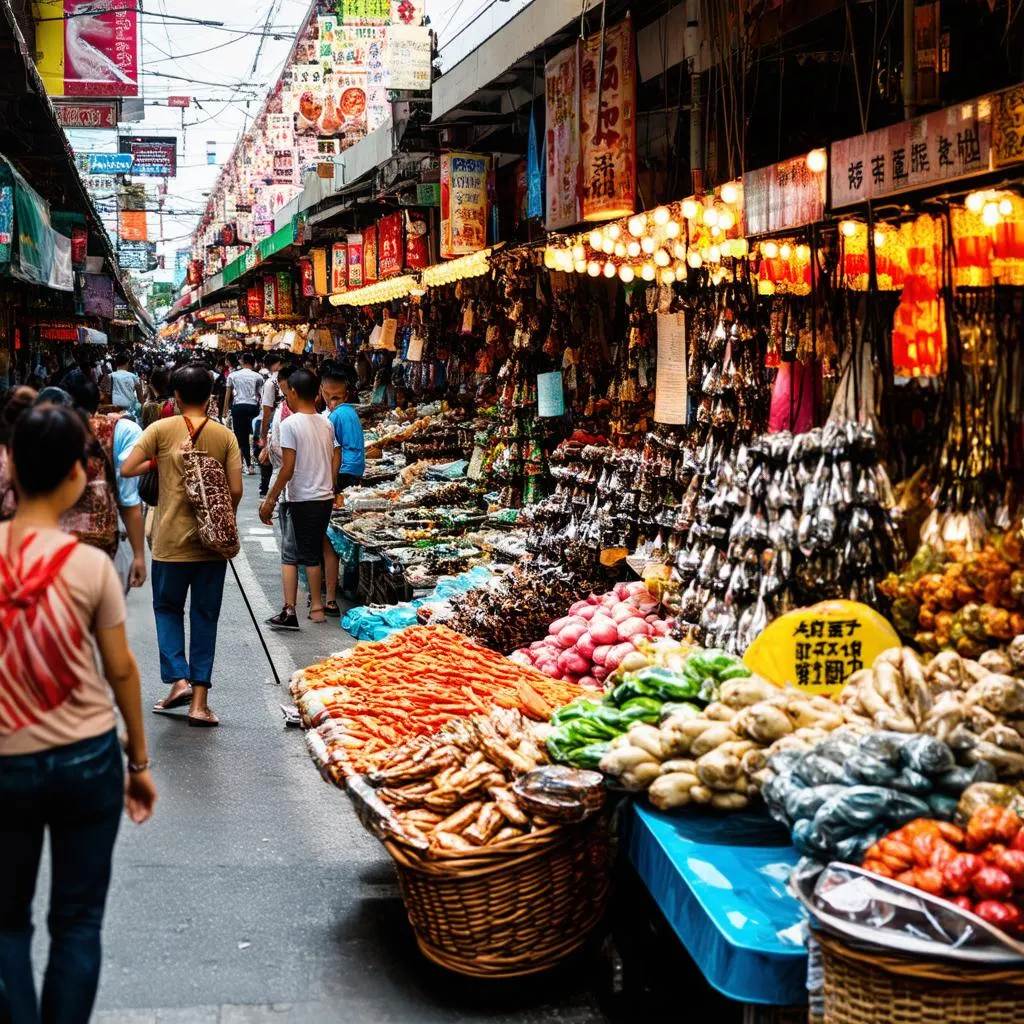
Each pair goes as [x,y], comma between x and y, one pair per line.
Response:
[252,615]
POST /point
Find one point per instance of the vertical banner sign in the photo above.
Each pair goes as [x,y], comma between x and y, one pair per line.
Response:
[254,301]
[951,143]
[1008,127]
[417,248]
[390,247]
[534,186]
[355,261]
[306,273]
[608,134]
[284,293]
[270,296]
[132,226]
[87,48]
[670,388]
[6,222]
[370,254]
[562,138]
[320,279]
[339,267]
[464,179]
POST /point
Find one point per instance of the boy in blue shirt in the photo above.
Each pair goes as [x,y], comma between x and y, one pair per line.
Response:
[337,391]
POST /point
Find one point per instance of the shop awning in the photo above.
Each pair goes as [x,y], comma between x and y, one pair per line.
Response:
[262,250]
[30,249]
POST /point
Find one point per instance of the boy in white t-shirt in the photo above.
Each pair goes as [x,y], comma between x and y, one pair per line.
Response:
[309,464]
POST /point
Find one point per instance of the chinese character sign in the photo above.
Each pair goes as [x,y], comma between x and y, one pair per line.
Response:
[562,131]
[1008,129]
[608,124]
[339,267]
[370,254]
[409,57]
[464,178]
[390,246]
[783,196]
[364,12]
[817,649]
[88,49]
[946,144]
[355,261]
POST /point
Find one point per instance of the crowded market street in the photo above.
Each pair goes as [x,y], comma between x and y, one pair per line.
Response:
[253,896]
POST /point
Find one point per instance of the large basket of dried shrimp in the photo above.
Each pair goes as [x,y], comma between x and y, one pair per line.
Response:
[502,858]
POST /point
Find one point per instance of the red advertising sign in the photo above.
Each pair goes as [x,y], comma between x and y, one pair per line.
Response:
[417,249]
[306,272]
[562,84]
[86,115]
[390,247]
[608,135]
[370,254]
[88,47]
[339,267]
[254,301]
[355,261]
[783,196]
[179,101]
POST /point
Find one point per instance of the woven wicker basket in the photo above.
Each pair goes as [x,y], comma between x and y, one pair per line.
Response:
[513,909]
[875,988]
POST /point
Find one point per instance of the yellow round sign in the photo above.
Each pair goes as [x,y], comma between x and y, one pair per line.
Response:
[817,649]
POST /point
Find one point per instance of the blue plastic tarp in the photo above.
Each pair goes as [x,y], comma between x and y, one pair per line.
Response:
[720,880]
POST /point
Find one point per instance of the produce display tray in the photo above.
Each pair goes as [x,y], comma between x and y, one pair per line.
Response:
[720,881]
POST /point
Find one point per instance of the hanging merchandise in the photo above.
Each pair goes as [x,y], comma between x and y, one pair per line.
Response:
[321,278]
[284,293]
[608,123]
[306,275]
[270,297]
[339,267]
[464,205]
[370,254]
[390,245]
[417,241]
[254,301]
[355,261]
[562,138]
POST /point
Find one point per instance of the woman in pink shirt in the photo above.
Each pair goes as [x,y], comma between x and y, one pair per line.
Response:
[61,766]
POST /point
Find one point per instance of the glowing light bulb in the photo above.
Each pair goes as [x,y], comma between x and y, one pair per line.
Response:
[681,271]
[549,258]
[848,228]
[668,276]
[879,239]
[613,231]
[769,250]
[608,246]
[673,229]
[647,272]
[740,247]
[726,247]
[626,274]
[785,251]
[716,231]
[637,225]
[714,254]
[729,193]
[593,268]
[817,161]
[975,201]
[990,215]
[711,217]
[662,216]
[679,251]
[581,266]
[765,287]
[620,250]
[662,258]
[726,219]
[609,269]
[1006,207]
[633,250]
[694,258]
[647,244]
[579,253]
[689,209]
[596,238]
[803,253]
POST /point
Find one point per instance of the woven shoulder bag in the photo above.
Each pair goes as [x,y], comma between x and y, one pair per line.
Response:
[206,486]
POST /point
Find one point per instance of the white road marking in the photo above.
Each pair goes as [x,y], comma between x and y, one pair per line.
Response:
[259,531]
[268,543]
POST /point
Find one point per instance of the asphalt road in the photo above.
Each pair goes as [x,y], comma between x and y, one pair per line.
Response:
[254,895]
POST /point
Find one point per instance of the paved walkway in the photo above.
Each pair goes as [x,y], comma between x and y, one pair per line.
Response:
[254,895]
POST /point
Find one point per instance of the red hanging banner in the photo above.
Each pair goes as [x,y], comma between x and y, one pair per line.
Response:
[390,245]
[370,254]
[306,274]
[608,136]
[562,130]
[254,301]
[417,248]
[339,267]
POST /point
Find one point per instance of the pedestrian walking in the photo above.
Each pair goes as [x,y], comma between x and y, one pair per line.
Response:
[243,396]
[338,391]
[61,766]
[308,468]
[270,454]
[125,387]
[181,565]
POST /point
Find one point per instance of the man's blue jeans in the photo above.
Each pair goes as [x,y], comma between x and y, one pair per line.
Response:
[77,792]
[172,582]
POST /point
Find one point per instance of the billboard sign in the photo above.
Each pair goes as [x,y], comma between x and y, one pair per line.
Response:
[136,255]
[88,47]
[71,114]
[109,163]
[179,101]
[154,156]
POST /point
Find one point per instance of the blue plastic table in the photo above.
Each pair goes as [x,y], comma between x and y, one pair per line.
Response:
[720,881]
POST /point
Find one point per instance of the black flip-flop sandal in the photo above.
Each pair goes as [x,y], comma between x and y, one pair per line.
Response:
[332,610]
[202,723]
[182,700]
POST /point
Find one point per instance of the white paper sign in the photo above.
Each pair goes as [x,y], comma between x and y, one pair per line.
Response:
[670,387]
[550,396]
[415,353]
[409,57]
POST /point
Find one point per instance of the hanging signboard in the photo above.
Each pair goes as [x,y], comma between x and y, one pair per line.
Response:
[417,243]
[71,114]
[135,255]
[562,87]
[608,134]
[284,293]
[550,394]
[409,57]
[941,146]
[364,12]
[339,267]
[179,101]
[355,261]
[320,275]
[131,226]
[254,301]
[370,254]
[86,48]
[390,246]
[783,196]
[1008,127]
[154,156]
[109,163]
[464,179]
[670,402]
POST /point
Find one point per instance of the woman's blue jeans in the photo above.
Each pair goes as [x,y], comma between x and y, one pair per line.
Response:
[77,792]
